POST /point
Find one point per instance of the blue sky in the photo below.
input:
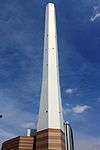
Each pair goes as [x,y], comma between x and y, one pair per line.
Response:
[21,55]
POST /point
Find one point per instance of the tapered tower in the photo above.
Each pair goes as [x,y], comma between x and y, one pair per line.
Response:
[50,126]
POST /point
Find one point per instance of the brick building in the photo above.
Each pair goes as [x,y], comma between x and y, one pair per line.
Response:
[20,143]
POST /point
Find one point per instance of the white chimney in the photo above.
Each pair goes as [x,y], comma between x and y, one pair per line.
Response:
[28,133]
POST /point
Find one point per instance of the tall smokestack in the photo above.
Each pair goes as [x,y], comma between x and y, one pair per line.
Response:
[50,126]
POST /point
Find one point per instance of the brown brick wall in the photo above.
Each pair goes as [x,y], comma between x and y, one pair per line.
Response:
[20,143]
[50,139]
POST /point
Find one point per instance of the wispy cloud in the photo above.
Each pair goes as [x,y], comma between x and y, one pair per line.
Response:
[93,18]
[96,14]
[4,135]
[70,91]
[86,142]
[15,120]
[98,100]
[78,109]
[30,124]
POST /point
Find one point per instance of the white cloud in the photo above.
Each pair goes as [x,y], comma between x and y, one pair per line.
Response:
[71,91]
[80,108]
[96,14]
[67,104]
[93,18]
